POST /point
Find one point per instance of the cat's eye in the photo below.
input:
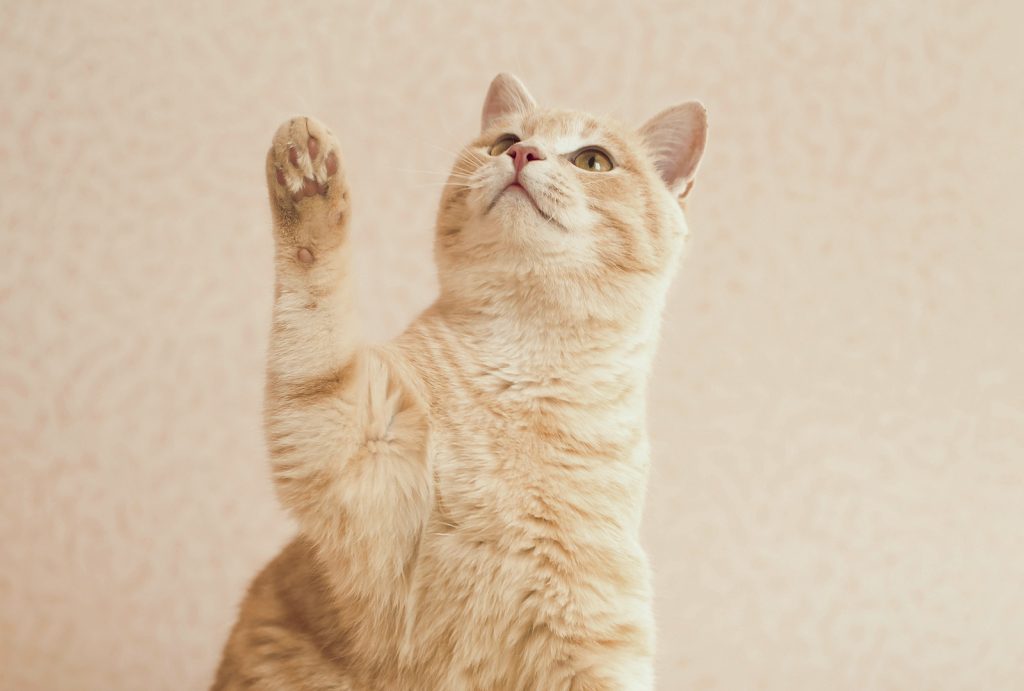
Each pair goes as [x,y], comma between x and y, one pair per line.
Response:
[593,160]
[503,144]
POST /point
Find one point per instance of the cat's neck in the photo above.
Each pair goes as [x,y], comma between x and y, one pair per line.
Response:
[599,354]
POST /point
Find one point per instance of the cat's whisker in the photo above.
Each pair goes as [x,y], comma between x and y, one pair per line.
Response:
[472,183]
[437,185]
[459,167]
[469,154]
[452,152]
[425,171]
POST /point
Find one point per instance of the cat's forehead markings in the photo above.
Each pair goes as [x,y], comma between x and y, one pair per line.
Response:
[562,132]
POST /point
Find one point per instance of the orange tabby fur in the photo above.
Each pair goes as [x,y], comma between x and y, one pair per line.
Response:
[469,495]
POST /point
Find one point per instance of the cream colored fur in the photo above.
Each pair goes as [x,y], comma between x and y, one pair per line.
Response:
[469,496]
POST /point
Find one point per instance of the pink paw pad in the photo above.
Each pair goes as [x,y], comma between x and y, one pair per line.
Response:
[304,167]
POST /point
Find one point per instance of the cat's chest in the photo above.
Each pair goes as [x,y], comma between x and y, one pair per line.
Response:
[538,500]
[520,461]
[543,468]
[504,445]
[524,537]
[487,466]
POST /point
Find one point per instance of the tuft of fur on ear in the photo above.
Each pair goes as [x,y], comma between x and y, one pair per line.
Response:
[507,94]
[676,138]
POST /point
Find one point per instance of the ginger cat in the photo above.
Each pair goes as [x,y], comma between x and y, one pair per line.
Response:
[469,495]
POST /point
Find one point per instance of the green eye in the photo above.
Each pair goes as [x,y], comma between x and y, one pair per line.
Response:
[503,143]
[593,160]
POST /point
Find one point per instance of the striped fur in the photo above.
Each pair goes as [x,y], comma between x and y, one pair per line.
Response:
[469,495]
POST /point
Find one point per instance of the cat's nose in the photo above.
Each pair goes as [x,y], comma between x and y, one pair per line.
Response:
[522,154]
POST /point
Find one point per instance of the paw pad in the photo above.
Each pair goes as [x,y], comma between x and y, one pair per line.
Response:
[305,159]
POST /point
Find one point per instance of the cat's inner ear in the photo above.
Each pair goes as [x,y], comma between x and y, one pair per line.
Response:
[506,95]
[676,138]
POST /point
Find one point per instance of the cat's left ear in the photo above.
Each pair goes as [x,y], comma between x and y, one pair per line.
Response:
[676,138]
[506,95]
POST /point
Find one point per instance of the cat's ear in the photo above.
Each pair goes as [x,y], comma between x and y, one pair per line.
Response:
[506,95]
[676,138]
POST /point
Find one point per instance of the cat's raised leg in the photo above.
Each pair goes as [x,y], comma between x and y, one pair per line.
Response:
[346,425]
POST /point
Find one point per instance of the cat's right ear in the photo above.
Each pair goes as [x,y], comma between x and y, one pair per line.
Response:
[506,95]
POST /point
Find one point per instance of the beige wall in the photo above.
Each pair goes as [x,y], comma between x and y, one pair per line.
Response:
[837,498]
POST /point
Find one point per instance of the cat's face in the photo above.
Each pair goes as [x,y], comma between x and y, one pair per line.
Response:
[565,200]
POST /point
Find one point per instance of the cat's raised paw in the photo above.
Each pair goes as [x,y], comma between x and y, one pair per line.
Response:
[303,162]
[308,188]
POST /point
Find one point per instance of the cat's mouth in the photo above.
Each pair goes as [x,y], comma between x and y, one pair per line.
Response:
[515,187]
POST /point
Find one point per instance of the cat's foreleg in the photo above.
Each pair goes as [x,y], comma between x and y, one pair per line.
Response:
[346,426]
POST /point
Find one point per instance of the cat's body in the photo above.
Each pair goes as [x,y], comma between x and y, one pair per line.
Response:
[469,495]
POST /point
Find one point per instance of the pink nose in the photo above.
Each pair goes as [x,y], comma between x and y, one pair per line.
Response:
[522,154]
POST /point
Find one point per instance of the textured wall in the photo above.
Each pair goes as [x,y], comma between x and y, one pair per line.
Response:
[837,498]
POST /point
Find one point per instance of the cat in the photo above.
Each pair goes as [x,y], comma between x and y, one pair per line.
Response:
[469,495]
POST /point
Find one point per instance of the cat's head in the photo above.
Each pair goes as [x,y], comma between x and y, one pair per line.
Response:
[565,208]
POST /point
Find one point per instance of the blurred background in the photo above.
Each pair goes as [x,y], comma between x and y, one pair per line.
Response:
[837,411]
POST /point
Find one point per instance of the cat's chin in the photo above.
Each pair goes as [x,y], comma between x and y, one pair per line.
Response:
[516,187]
[514,197]
[516,207]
